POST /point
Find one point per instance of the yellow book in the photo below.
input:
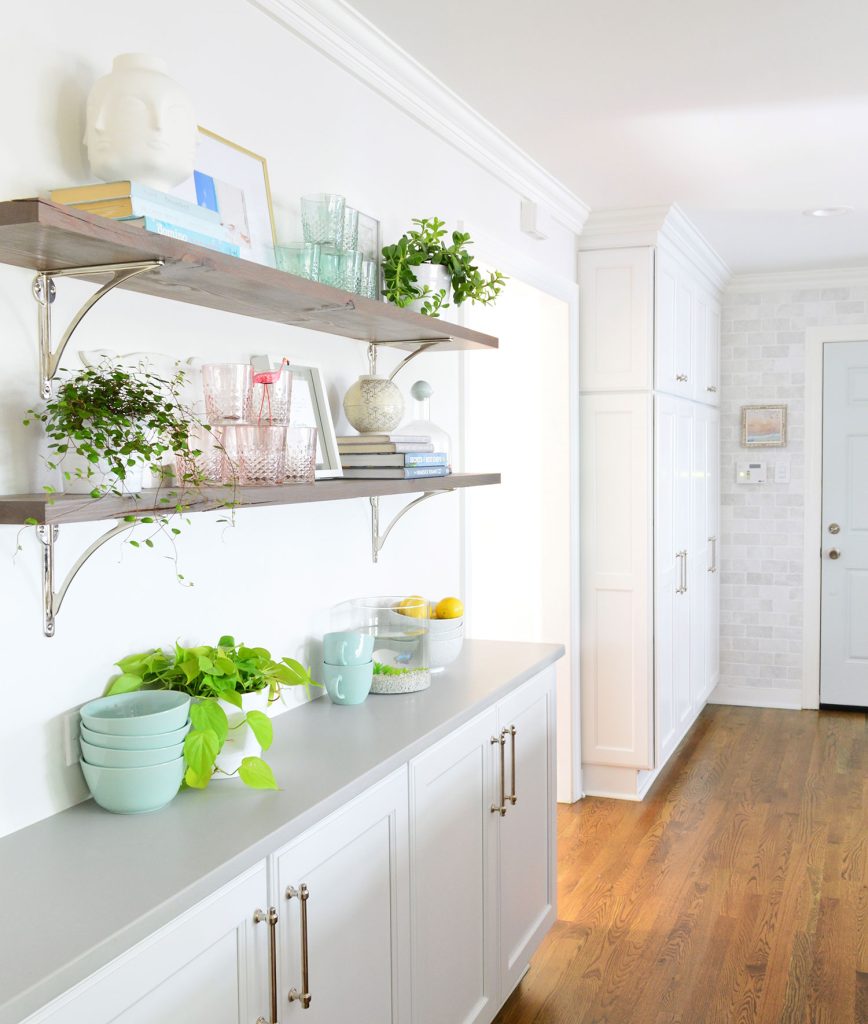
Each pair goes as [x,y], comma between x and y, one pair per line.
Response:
[92,193]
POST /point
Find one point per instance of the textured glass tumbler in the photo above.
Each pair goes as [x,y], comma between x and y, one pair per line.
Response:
[299,258]
[300,455]
[261,455]
[350,234]
[228,389]
[370,279]
[271,402]
[341,269]
[322,218]
[206,467]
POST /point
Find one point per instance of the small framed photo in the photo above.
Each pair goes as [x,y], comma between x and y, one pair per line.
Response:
[763,426]
[233,182]
[310,408]
[369,237]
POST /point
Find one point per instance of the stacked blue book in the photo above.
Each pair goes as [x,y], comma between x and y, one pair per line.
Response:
[391,457]
[148,208]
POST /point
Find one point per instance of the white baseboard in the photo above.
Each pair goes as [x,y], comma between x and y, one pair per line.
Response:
[756,697]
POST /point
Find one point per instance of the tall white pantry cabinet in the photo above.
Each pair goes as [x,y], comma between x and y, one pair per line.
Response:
[650,388]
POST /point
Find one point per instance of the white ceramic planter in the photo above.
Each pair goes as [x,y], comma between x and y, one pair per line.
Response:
[241,742]
[436,277]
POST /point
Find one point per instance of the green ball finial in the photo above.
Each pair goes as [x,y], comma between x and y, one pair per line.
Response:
[421,390]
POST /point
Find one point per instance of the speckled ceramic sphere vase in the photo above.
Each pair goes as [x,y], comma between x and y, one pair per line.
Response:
[374,405]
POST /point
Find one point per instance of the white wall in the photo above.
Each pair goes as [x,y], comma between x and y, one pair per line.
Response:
[270,579]
[762,526]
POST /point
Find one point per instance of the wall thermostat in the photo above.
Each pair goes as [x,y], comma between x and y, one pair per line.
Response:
[750,473]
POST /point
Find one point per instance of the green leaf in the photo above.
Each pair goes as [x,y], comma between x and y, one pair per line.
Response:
[30,521]
[254,772]
[260,726]
[231,697]
[207,714]
[196,781]
[226,641]
[201,748]
[125,683]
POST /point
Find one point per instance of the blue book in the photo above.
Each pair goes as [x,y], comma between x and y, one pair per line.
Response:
[406,473]
[379,461]
[179,218]
[162,227]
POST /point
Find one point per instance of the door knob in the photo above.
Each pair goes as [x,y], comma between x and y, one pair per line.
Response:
[834,528]
[834,553]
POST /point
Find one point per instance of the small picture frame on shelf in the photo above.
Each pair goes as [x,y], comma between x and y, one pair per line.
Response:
[310,408]
[233,182]
[763,426]
[369,237]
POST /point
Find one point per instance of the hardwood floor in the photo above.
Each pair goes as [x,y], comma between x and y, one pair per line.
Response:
[737,892]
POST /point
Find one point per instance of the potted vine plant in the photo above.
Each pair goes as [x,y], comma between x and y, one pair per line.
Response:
[109,424]
[235,690]
[423,271]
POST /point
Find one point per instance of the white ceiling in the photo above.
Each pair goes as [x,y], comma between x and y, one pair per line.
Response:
[745,112]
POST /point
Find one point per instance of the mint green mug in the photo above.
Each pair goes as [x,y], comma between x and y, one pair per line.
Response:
[348,684]
[348,647]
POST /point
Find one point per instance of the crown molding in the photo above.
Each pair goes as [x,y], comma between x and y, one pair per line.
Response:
[342,34]
[649,225]
[789,280]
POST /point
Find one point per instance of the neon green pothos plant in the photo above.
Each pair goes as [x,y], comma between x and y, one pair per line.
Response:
[426,244]
[210,675]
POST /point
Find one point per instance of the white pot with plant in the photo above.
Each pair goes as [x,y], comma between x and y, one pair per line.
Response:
[423,272]
[234,688]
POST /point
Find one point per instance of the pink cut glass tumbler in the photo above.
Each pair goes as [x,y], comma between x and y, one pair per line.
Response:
[300,455]
[261,455]
[228,392]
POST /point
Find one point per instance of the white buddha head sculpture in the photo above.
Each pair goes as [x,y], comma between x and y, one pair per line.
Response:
[140,124]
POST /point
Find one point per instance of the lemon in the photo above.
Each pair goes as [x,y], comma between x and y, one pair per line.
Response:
[415,606]
[432,611]
[450,608]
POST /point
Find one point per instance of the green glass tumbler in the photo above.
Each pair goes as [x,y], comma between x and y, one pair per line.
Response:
[341,269]
[299,258]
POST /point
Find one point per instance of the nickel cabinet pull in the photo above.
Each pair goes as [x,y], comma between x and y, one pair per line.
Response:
[501,807]
[681,378]
[302,893]
[712,388]
[513,796]
[713,542]
[684,570]
[682,585]
[271,917]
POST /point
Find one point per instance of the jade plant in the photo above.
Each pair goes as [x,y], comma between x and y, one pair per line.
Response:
[115,419]
[427,243]
[211,675]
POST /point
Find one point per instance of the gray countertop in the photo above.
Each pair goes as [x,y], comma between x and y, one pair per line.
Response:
[81,887]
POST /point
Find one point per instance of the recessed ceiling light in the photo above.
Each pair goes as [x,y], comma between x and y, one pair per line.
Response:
[828,211]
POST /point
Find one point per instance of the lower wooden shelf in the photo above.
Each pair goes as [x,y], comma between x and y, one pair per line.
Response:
[59,509]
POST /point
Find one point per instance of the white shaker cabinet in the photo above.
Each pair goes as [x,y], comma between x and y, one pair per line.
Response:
[650,494]
[210,966]
[482,856]
[341,893]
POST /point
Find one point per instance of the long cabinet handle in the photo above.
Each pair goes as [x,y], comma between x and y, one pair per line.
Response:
[713,542]
[501,807]
[682,573]
[684,570]
[271,917]
[302,893]
[513,796]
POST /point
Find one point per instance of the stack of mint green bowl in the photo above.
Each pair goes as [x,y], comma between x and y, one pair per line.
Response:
[132,749]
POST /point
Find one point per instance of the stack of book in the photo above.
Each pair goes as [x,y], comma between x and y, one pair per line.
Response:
[148,208]
[391,457]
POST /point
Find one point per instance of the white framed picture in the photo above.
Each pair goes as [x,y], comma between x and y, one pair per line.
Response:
[310,408]
[763,426]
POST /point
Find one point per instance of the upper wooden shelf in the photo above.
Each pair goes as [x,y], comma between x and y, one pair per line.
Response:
[43,236]
[16,509]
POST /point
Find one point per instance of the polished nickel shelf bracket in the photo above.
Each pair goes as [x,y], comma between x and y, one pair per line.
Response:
[424,345]
[378,539]
[52,599]
[45,292]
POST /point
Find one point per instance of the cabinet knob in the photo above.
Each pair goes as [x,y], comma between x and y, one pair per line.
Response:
[834,528]
[712,388]
[834,554]
[681,378]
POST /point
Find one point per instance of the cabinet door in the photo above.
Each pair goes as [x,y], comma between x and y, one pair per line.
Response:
[210,966]
[712,583]
[673,549]
[711,390]
[675,327]
[617,305]
[353,868]
[527,834]
[453,856]
[699,564]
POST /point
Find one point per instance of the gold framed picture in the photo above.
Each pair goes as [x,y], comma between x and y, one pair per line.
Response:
[763,426]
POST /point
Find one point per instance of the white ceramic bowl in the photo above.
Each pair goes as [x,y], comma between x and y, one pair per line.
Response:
[134,790]
[152,742]
[442,651]
[438,626]
[107,757]
[142,713]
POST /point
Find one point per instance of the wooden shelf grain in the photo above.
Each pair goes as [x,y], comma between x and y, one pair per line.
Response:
[58,509]
[43,236]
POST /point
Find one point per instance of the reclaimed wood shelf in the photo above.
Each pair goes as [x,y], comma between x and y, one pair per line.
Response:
[61,509]
[43,236]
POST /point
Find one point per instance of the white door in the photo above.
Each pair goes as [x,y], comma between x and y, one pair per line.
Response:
[526,833]
[454,876]
[844,620]
[352,869]
[712,568]
[674,327]
[210,966]
[699,563]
